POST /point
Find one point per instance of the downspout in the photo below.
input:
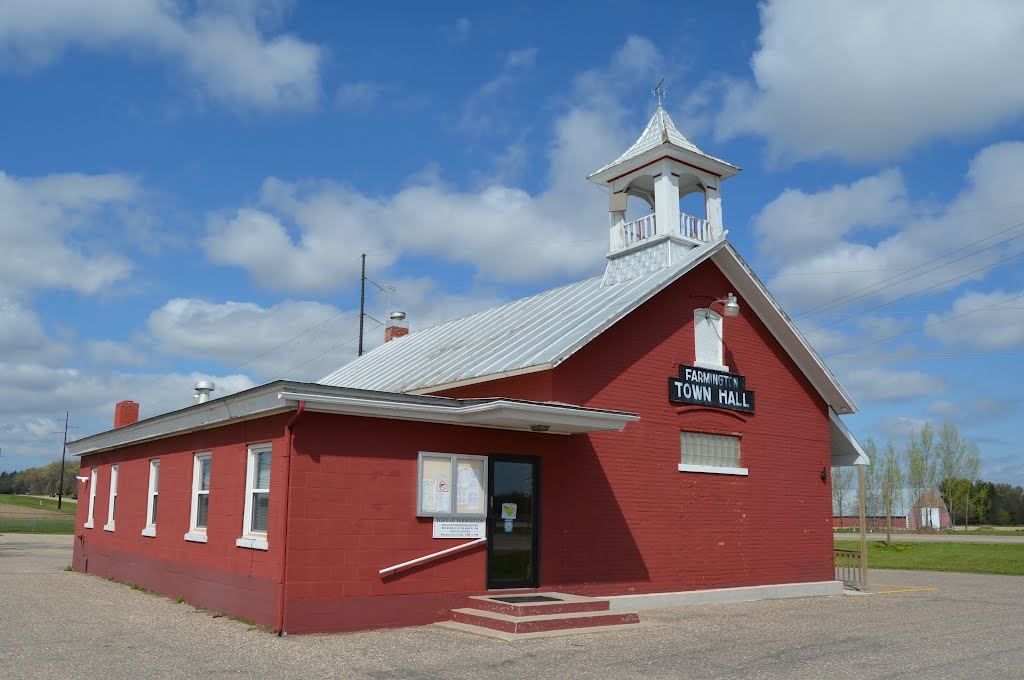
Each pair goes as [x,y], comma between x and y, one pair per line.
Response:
[289,429]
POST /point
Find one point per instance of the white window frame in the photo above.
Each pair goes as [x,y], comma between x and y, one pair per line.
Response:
[93,480]
[152,494]
[712,469]
[112,500]
[708,351]
[195,533]
[454,487]
[256,540]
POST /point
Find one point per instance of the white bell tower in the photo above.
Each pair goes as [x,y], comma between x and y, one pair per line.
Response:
[660,168]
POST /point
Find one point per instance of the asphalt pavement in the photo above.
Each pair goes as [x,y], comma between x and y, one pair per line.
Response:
[65,624]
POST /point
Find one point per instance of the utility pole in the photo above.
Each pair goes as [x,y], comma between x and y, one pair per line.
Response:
[63,453]
[362,304]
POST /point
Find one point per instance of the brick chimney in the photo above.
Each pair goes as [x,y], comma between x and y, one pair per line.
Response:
[125,413]
[397,326]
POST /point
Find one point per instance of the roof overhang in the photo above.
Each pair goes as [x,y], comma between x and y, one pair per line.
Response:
[673,152]
[284,396]
[846,451]
[756,296]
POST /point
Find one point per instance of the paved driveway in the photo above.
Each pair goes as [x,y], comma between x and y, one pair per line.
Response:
[63,624]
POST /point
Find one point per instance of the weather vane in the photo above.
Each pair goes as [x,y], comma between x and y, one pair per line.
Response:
[659,91]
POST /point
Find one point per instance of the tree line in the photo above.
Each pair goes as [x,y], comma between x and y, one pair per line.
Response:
[942,462]
[40,481]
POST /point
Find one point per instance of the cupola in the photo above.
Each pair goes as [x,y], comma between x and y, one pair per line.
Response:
[660,168]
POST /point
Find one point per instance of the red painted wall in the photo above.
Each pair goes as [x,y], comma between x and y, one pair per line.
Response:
[353,512]
[217,575]
[662,529]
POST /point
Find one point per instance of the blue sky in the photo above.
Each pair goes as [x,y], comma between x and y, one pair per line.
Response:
[186,187]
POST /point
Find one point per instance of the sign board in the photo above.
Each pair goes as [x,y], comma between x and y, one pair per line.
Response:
[705,387]
[459,527]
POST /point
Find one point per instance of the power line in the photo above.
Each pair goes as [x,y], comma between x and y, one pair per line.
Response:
[923,290]
[825,306]
[323,354]
[927,325]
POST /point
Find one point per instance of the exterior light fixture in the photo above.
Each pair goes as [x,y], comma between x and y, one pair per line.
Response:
[540,428]
[730,306]
[824,475]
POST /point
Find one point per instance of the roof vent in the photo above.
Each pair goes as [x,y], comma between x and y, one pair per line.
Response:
[203,389]
[397,326]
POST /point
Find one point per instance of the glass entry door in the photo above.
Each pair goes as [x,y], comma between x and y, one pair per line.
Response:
[513,522]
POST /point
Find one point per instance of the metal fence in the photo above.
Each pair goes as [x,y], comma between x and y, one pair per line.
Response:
[36,523]
[848,569]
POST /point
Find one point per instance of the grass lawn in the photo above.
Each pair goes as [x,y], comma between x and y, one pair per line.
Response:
[973,558]
[50,504]
[37,525]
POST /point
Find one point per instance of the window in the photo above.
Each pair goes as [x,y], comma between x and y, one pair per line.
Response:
[257,499]
[450,485]
[200,498]
[112,505]
[707,339]
[92,497]
[154,485]
[715,453]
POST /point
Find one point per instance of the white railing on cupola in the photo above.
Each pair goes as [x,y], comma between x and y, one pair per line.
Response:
[646,227]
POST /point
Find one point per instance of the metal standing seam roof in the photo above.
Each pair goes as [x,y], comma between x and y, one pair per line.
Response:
[660,129]
[534,333]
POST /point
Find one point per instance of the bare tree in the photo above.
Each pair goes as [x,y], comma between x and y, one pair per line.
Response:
[959,467]
[842,482]
[872,481]
[892,484]
[922,464]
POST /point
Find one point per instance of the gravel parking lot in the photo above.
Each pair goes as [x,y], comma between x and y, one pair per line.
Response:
[64,624]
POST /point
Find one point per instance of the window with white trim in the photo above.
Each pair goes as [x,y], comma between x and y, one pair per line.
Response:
[201,466]
[256,517]
[112,503]
[710,453]
[707,339]
[151,497]
[451,485]
[93,479]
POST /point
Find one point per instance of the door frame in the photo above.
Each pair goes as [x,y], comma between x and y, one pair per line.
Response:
[491,514]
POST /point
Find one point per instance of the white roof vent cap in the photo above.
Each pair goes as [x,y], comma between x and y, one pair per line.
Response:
[203,389]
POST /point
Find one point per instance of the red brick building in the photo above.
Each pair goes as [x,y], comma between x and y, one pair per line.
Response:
[615,437]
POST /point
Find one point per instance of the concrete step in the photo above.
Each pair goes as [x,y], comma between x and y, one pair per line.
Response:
[513,637]
[560,603]
[541,623]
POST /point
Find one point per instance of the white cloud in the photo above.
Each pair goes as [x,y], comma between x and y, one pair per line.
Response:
[258,340]
[998,326]
[54,232]
[867,81]
[875,383]
[460,31]
[307,236]
[797,224]
[222,45]
[359,95]
[521,58]
[901,427]
[855,245]
[22,336]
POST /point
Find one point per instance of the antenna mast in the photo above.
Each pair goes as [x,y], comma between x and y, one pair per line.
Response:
[362,304]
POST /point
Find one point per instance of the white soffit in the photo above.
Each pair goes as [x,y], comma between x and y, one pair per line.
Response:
[846,451]
[284,396]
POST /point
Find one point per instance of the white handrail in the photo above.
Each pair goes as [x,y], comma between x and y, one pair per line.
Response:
[427,558]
